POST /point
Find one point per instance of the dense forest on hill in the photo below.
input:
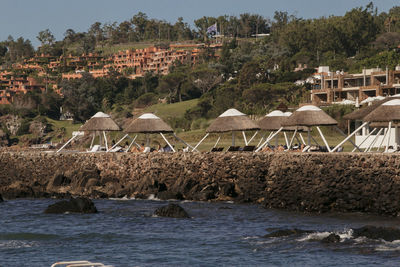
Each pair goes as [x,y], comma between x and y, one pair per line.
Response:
[249,73]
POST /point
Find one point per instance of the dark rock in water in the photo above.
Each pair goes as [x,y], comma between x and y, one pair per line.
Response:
[172,210]
[76,205]
[287,232]
[1,198]
[372,232]
[332,238]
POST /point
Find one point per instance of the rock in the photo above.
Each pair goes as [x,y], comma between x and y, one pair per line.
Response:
[172,210]
[59,179]
[372,232]
[75,205]
[1,198]
[287,232]
[332,238]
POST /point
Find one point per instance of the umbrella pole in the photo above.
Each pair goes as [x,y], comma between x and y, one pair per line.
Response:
[100,141]
[276,141]
[342,133]
[302,139]
[130,145]
[118,142]
[262,138]
[383,140]
[314,140]
[389,133]
[373,141]
[251,139]
[396,136]
[309,136]
[91,144]
[105,141]
[200,142]
[179,139]
[165,139]
[365,139]
[148,140]
[69,141]
[268,139]
[216,143]
[244,137]
[323,139]
[292,139]
[233,138]
[286,139]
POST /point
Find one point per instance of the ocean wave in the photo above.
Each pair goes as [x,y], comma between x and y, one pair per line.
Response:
[314,236]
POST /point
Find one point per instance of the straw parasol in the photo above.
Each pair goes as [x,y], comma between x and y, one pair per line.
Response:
[232,120]
[100,122]
[388,111]
[309,116]
[148,123]
[272,121]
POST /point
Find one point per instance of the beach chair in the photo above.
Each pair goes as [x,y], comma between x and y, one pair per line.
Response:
[233,148]
[116,149]
[95,148]
[217,149]
[249,148]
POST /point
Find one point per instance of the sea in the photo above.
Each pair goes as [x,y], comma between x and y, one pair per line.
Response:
[126,233]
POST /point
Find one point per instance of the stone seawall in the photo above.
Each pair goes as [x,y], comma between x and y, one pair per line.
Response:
[297,181]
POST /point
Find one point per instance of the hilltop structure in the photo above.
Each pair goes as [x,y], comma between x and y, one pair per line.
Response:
[39,72]
[331,87]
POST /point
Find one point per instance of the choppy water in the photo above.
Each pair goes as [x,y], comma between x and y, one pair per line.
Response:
[124,233]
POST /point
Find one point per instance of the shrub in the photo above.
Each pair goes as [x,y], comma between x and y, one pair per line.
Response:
[146,100]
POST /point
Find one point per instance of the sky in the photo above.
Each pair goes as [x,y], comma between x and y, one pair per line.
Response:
[27,17]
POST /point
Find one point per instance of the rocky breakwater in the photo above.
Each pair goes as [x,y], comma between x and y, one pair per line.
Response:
[296,181]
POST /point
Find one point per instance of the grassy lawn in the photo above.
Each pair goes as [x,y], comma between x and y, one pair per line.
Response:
[166,111]
[68,125]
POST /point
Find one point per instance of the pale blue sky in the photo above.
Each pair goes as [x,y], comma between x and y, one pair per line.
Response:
[27,17]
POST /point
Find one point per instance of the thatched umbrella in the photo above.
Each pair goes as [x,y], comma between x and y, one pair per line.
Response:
[231,120]
[360,114]
[273,121]
[100,122]
[149,123]
[310,116]
[388,112]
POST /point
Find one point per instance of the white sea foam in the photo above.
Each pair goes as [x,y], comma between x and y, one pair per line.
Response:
[315,236]
[124,198]
[152,197]
[347,234]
